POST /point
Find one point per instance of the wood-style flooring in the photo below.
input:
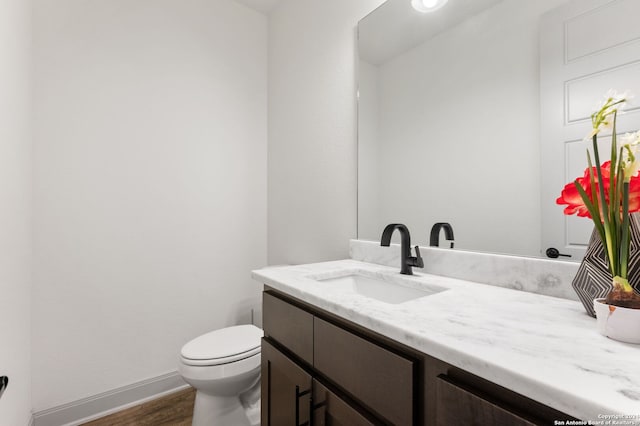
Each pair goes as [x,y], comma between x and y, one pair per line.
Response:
[175,409]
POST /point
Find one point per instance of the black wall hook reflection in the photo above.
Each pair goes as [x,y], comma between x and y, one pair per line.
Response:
[4,382]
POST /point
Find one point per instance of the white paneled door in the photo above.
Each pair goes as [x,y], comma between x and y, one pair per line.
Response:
[586,48]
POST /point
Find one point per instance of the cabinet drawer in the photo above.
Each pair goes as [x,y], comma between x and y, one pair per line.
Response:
[289,325]
[330,410]
[380,379]
[461,405]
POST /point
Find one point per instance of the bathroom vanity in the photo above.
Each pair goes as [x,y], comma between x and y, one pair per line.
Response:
[463,353]
[317,365]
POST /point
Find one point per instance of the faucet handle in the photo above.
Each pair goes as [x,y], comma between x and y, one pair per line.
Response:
[418,262]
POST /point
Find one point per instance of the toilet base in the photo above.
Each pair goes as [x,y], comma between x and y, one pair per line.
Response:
[212,410]
[251,402]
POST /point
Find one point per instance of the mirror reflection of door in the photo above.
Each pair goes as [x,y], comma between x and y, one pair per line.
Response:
[587,47]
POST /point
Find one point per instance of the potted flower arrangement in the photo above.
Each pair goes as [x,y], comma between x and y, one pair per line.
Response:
[608,193]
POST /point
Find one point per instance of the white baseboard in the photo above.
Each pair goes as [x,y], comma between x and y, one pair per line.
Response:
[93,407]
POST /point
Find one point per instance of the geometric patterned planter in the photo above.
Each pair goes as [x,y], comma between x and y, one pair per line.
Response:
[593,280]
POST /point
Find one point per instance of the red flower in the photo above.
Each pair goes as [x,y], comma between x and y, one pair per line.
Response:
[634,194]
[571,197]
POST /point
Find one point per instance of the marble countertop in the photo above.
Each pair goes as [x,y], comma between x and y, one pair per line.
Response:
[543,347]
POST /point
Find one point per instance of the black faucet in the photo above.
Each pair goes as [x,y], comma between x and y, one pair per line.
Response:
[434,238]
[406,261]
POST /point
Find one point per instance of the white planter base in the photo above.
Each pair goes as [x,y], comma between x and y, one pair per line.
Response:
[622,324]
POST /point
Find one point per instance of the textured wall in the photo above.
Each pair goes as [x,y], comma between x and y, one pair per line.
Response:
[312,129]
[150,193]
[15,211]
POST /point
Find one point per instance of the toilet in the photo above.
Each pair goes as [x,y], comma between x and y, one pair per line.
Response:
[224,368]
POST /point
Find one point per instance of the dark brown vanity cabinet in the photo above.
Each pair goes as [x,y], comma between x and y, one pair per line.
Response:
[294,396]
[380,379]
[288,389]
[318,373]
[331,410]
[318,369]
[458,405]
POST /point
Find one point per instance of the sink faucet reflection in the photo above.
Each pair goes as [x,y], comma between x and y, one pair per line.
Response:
[406,260]
[434,238]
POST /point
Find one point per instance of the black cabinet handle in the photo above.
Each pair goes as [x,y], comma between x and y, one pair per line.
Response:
[298,395]
[553,253]
[314,407]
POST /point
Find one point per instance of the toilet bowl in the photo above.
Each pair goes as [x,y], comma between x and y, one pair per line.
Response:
[224,368]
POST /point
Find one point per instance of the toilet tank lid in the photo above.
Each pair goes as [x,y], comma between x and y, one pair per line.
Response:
[223,343]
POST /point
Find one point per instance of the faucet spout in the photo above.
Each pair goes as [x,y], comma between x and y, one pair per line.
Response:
[434,237]
[406,260]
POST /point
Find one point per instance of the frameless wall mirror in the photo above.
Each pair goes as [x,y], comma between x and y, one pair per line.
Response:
[449,120]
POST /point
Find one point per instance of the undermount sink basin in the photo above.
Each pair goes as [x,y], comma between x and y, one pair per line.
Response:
[388,289]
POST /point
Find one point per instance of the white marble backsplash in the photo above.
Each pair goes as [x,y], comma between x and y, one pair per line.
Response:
[534,275]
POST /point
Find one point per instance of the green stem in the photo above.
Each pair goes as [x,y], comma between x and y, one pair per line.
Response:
[616,199]
[624,246]
[594,194]
[615,191]
[614,163]
[613,261]
[592,209]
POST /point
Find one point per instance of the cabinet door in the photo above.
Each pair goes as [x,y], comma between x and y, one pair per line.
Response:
[286,390]
[381,380]
[330,410]
[459,405]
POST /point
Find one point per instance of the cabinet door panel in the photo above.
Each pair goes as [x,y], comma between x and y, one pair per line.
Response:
[282,383]
[288,325]
[457,405]
[331,410]
[382,380]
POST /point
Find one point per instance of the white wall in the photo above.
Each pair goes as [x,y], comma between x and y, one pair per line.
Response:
[312,122]
[150,194]
[368,155]
[459,137]
[15,211]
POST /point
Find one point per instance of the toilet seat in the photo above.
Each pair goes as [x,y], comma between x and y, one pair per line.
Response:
[223,346]
[220,361]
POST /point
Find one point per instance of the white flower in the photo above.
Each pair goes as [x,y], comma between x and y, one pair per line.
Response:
[614,97]
[604,117]
[630,156]
[630,138]
[607,124]
[591,135]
